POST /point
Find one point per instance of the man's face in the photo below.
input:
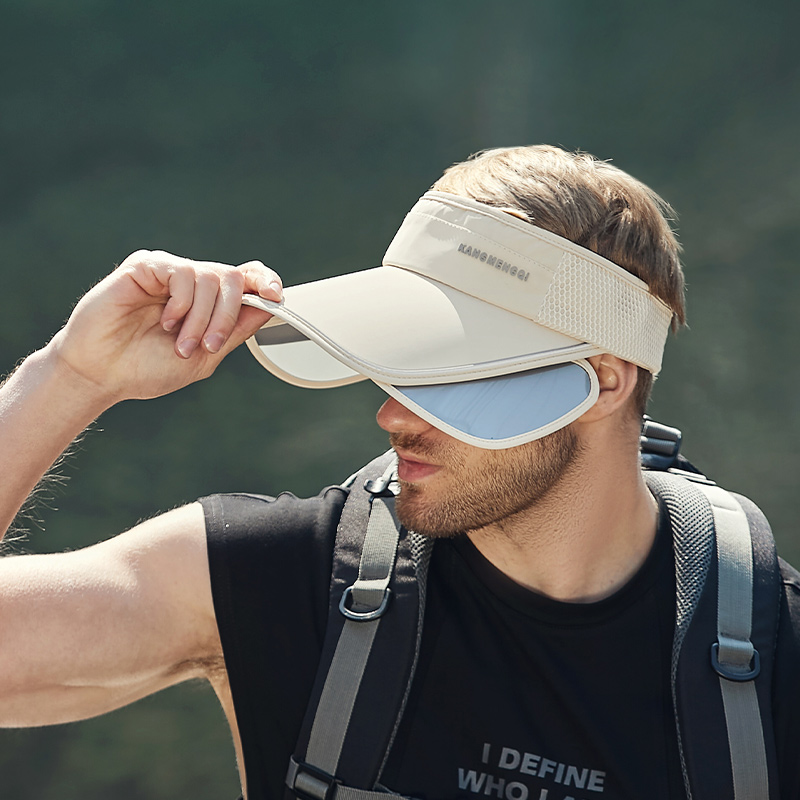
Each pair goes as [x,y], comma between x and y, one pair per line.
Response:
[449,487]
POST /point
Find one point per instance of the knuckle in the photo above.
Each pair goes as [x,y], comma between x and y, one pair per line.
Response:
[206,286]
[208,278]
[226,322]
[235,280]
[178,305]
[136,258]
[181,269]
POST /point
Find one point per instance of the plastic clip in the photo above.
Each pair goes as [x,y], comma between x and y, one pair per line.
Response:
[380,487]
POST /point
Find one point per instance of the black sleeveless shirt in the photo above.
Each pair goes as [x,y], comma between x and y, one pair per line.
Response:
[516,696]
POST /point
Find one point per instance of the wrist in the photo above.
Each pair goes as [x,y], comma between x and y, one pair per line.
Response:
[77,393]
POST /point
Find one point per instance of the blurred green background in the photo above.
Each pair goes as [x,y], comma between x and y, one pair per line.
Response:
[300,133]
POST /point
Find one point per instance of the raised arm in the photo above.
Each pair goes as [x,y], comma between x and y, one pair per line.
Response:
[154,325]
[87,631]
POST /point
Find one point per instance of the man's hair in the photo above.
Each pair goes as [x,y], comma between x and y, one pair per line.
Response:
[590,202]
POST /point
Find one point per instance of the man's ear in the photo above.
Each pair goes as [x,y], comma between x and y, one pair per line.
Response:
[617,379]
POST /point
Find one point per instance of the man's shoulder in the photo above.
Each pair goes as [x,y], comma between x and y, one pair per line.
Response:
[262,549]
[243,515]
[251,533]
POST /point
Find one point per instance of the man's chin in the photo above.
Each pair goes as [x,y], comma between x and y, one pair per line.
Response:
[423,517]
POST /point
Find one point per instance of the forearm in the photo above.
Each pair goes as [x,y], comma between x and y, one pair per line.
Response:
[43,407]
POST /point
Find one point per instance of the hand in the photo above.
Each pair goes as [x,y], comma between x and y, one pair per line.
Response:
[160,322]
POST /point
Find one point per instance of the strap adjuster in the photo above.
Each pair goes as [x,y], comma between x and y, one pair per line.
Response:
[731,674]
[309,782]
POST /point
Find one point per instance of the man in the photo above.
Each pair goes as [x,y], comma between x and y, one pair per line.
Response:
[516,325]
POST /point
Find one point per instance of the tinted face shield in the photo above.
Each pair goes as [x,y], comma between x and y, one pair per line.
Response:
[504,411]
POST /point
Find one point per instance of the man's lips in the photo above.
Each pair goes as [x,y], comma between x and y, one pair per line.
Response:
[411,469]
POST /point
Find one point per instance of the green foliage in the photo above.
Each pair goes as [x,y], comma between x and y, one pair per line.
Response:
[299,134]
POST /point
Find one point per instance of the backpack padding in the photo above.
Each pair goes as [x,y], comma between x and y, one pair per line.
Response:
[701,719]
[688,512]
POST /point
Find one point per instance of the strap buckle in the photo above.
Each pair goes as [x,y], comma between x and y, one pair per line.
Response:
[660,444]
[382,487]
[731,674]
[309,782]
[363,616]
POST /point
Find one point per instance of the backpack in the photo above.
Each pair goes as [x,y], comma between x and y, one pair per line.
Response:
[727,598]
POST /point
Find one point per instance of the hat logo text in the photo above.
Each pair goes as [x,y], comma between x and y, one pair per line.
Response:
[493,261]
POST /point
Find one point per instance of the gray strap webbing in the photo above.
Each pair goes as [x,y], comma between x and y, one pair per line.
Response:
[377,559]
[351,793]
[355,642]
[735,584]
[746,740]
[339,694]
[735,651]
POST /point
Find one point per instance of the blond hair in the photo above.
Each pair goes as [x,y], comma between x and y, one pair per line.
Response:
[588,201]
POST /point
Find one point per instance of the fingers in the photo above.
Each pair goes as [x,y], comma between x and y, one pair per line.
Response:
[265,281]
[181,282]
[199,316]
[204,299]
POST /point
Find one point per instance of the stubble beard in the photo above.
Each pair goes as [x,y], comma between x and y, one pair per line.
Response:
[503,484]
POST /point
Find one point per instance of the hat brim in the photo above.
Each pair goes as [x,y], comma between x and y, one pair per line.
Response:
[399,328]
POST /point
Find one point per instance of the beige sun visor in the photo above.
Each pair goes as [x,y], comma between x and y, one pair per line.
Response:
[466,291]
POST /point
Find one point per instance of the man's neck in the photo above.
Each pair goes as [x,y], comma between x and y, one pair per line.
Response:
[582,541]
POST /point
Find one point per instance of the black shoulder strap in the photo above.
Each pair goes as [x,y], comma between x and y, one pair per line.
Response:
[727,600]
[375,618]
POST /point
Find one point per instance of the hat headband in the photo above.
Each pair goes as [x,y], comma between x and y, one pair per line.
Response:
[487,253]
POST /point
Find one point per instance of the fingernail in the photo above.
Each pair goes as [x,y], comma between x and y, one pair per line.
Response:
[213,342]
[277,288]
[186,347]
[169,325]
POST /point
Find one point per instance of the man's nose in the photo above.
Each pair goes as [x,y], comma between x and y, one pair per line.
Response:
[394,417]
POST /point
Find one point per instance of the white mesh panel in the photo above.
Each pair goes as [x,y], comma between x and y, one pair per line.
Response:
[595,306]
